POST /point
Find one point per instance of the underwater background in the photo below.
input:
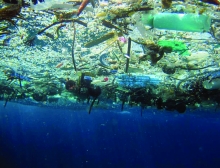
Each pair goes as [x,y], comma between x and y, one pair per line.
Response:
[36,137]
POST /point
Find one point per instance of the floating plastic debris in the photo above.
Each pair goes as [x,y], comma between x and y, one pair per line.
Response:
[176,21]
[140,53]
[135,80]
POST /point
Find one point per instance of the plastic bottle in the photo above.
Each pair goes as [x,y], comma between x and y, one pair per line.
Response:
[180,22]
[135,80]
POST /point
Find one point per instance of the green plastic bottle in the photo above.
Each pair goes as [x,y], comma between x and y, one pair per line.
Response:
[180,22]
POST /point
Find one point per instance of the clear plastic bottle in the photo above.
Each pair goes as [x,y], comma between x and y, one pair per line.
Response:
[136,80]
[180,22]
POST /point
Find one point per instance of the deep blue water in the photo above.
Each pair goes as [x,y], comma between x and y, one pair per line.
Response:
[37,137]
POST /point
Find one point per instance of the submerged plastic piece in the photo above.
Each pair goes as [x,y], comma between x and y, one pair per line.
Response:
[210,85]
[134,80]
[103,59]
[177,46]
[88,78]
[213,75]
[113,71]
[176,21]
[19,76]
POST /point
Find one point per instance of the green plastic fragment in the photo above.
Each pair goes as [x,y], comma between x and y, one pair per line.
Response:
[177,46]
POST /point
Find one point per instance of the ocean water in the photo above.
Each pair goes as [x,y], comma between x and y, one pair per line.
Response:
[39,137]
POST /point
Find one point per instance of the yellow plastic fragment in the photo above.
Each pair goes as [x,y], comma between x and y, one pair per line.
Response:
[101,14]
[100,40]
